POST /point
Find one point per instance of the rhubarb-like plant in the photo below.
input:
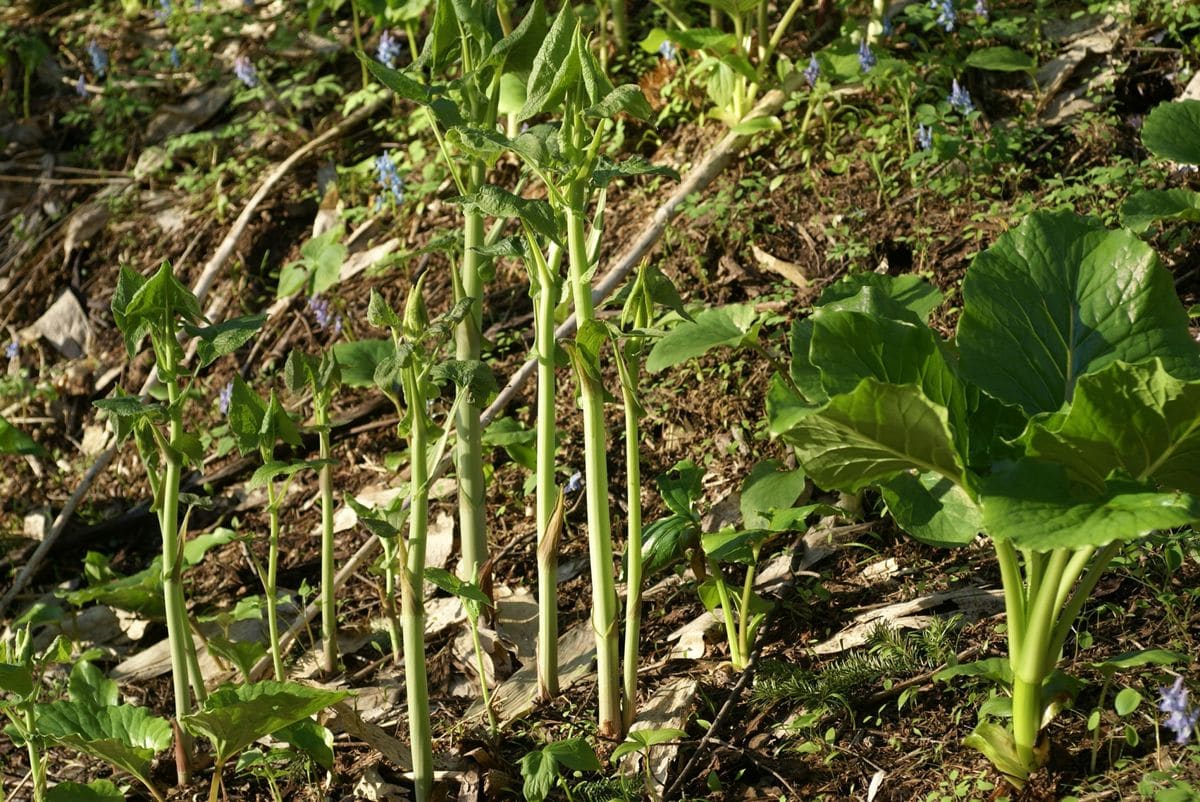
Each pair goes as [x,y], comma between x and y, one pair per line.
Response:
[1063,421]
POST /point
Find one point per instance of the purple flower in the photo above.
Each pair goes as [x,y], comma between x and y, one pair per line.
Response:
[323,314]
[224,397]
[574,483]
[813,71]
[866,59]
[12,350]
[389,178]
[99,58]
[81,87]
[389,49]
[667,50]
[981,9]
[243,68]
[888,27]
[946,16]
[1180,717]
[924,136]
[960,99]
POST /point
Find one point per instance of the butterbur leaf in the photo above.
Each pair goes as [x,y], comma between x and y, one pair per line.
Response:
[1172,131]
[232,718]
[95,791]
[381,315]
[224,338]
[574,753]
[1143,209]
[1136,418]
[932,509]
[1061,296]
[470,374]
[126,736]
[874,433]
[913,293]
[358,360]
[769,487]
[310,738]
[15,441]
[607,171]
[723,326]
[1035,505]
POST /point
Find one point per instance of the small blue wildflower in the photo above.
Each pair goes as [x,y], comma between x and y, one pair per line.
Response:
[173,55]
[946,15]
[389,178]
[323,314]
[1180,716]
[813,71]
[389,49]
[224,397]
[243,68]
[888,27]
[81,87]
[99,58]
[866,59]
[667,50]
[574,483]
[981,9]
[960,99]
[12,350]
[924,136]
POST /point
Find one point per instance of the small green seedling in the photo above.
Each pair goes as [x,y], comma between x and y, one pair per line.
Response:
[543,769]
[641,742]
[474,600]
[1127,699]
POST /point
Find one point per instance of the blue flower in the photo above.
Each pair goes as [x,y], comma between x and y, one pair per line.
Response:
[667,50]
[99,58]
[81,87]
[12,350]
[173,55]
[1180,716]
[574,484]
[981,8]
[960,99]
[866,59]
[389,178]
[243,68]
[888,27]
[224,397]
[389,49]
[946,16]
[322,313]
[924,136]
[813,71]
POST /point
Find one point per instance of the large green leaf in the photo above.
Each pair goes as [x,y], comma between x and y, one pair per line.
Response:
[1172,131]
[874,433]
[95,791]
[1061,296]
[724,325]
[234,717]
[16,679]
[1036,506]
[1133,417]
[932,509]
[126,736]
[1143,209]
[769,487]
[910,292]
[667,540]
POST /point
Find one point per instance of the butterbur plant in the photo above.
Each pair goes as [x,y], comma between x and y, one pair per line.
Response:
[163,310]
[1062,422]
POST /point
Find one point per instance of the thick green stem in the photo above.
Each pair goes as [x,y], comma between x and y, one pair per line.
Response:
[412,579]
[549,498]
[744,609]
[468,448]
[173,601]
[271,582]
[604,594]
[731,631]
[329,626]
[1034,663]
[633,545]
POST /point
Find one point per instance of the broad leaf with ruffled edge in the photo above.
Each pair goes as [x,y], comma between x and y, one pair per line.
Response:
[126,736]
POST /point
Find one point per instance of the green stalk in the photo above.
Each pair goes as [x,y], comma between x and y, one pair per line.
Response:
[412,604]
[272,576]
[744,609]
[468,448]
[389,599]
[36,770]
[604,594]
[549,497]
[358,42]
[633,546]
[493,724]
[731,630]
[173,601]
[328,596]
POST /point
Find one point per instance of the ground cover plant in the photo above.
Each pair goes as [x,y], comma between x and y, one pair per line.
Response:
[652,400]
